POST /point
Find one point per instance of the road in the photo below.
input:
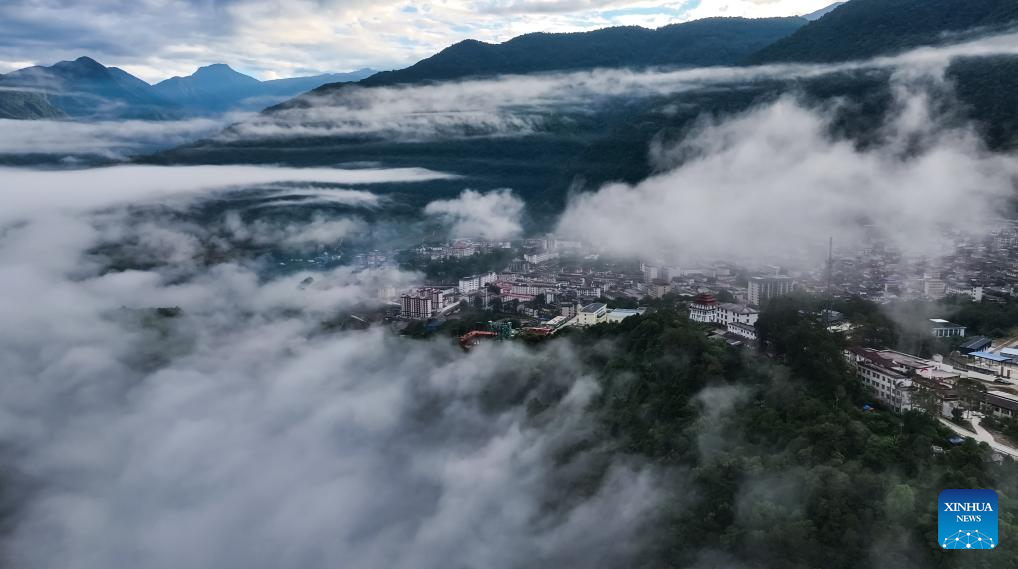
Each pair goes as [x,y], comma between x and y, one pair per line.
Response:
[981,435]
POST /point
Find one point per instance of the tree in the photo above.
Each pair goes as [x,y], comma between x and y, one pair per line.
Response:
[927,401]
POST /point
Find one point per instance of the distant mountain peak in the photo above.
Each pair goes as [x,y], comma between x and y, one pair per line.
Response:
[214,68]
[86,60]
[814,16]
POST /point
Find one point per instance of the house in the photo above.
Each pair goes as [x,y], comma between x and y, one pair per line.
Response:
[1001,405]
[943,329]
[879,374]
[591,314]
[975,344]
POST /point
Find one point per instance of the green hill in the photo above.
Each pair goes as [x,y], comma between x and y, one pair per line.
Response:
[712,41]
[862,29]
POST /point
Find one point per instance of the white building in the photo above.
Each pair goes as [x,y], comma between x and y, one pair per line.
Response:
[762,289]
[542,257]
[705,308]
[474,283]
[591,314]
[747,331]
[889,386]
[943,329]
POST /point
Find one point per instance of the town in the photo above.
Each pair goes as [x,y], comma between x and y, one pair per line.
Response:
[542,286]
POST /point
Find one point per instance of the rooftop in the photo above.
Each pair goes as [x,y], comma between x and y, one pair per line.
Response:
[1002,401]
[594,307]
[941,323]
[991,356]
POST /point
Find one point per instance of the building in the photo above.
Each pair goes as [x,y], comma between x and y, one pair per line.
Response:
[729,313]
[475,283]
[704,308]
[943,329]
[934,289]
[591,314]
[620,314]
[747,331]
[1001,405]
[423,303]
[568,309]
[541,257]
[762,289]
[658,288]
[976,344]
[889,386]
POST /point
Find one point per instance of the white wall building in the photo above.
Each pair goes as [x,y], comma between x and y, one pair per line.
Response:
[889,386]
[762,289]
[591,314]
[474,283]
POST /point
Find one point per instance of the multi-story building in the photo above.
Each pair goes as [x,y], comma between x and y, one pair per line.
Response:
[762,289]
[591,314]
[705,308]
[423,303]
[540,257]
[889,386]
[475,283]
[934,289]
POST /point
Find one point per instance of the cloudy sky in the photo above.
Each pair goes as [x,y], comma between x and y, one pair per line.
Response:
[155,39]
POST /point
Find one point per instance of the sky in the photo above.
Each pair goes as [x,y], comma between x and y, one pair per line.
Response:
[156,39]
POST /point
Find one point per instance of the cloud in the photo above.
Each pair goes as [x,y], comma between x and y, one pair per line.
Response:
[521,105]
[773,184]
[494,215]
[107,139]
[31,192]
[236,434]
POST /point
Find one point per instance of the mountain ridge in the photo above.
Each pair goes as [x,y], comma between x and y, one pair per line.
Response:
[84,88]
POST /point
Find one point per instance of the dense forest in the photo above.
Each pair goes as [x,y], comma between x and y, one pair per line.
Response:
[775,462]
[710,41]
[862,29]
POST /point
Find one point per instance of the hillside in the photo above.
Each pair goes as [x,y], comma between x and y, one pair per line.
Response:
[27,105]
[861,29]
[84,88]
[712,41]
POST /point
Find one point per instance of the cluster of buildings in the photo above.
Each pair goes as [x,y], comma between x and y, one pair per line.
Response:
[897,380]
[461,248]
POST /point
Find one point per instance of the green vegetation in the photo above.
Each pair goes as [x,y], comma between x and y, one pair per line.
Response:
[711,41]
[782,467]
[862,29]
[450,270]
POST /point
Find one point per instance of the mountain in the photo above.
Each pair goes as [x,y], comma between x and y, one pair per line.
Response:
[214,87]
[862,29]
[295,85]
[27,105]
[84,88]
[217,88]
[712,41]
[814,16]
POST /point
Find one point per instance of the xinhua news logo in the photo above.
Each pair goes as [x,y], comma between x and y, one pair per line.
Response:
[968,519]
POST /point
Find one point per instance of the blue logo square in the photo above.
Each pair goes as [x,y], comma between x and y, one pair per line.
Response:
[967,519]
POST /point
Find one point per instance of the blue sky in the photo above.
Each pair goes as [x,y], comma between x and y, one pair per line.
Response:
[155,39]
